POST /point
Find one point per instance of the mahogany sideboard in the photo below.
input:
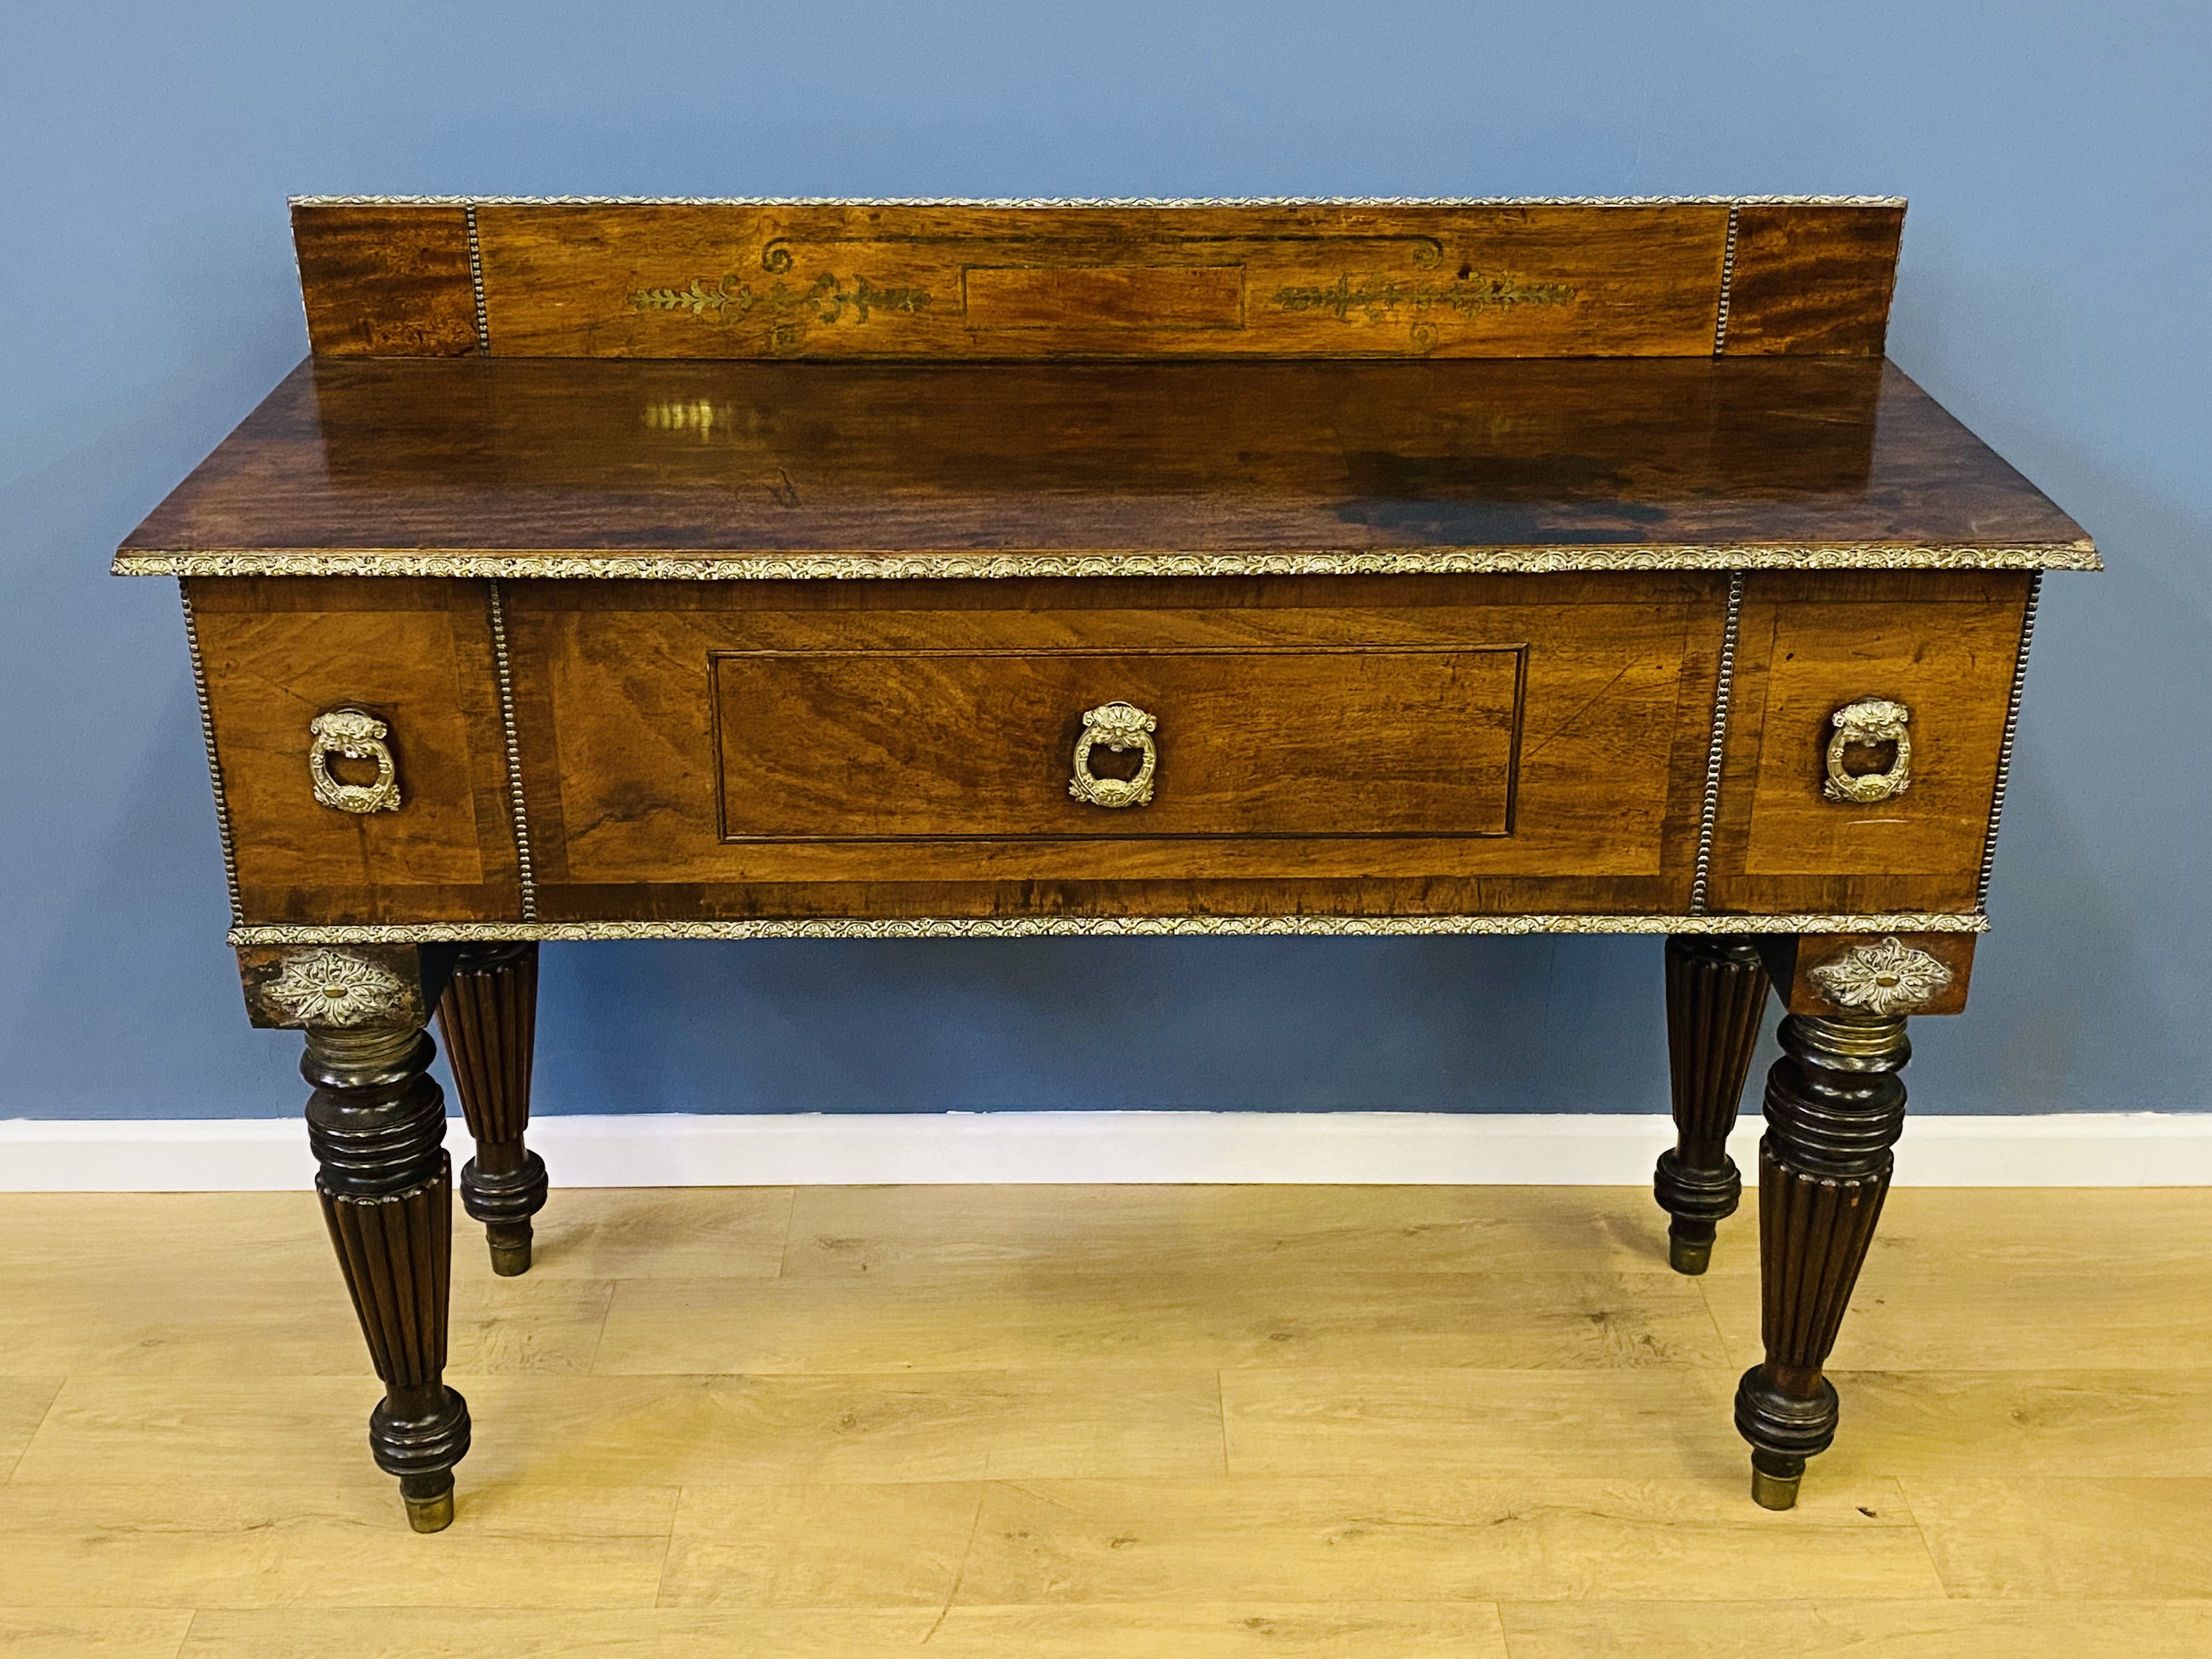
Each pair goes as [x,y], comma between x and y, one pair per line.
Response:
[746,569]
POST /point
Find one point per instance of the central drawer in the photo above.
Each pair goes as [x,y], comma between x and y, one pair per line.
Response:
[1260,741]
[1332,745]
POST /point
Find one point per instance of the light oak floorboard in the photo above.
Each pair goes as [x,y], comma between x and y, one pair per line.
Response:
[1385,1538]
[1219,1631]
[24,1402]
[1163,1314]
[1980,1232]
[1062,1422]
[846,1231]
[92,1633]
[165,1323]
[1643,1424]
[649,1431]
[220,1547]
[1820,1629]
[1914,1423]
[2024,1317]
[672,1232]
[2070,1539]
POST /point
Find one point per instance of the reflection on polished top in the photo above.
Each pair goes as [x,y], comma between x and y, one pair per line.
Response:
[736,468]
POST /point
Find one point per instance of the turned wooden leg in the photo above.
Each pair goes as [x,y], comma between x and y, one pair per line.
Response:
[377,1121]
[1715,995]
[487,1017]
[1835,1106]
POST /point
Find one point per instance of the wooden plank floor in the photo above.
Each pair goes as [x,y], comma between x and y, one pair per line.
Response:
[1052,1422]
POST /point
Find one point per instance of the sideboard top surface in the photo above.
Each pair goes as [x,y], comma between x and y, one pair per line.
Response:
[591,467]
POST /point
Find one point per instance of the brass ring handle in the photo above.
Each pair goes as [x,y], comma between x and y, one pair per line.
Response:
[1118,726]
[358,735]
[1869,721]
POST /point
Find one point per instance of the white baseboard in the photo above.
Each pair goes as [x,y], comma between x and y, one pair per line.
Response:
[2083,1149]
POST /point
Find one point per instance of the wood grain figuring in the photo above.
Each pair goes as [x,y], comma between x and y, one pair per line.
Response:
[620,751]
[868,280]
[1263,741]
[1817,282]
[1411,1509]
[386,280]
[1943,644]
[749,462]
[418,655]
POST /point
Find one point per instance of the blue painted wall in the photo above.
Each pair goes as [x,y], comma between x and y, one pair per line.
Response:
[2058,270]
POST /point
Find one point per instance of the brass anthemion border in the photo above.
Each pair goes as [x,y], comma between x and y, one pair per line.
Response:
[1102,927]
[214,766]
[1717,747]
[852,566]
[2004,748]
[1098,201]
[526,876]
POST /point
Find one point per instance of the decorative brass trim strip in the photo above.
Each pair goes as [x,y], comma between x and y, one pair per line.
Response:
[525,875]
[1099,927]
[1097,200]
[2004,747]
[1716,746]
[850,567]
[476,283]
[1720,316]
[214,766]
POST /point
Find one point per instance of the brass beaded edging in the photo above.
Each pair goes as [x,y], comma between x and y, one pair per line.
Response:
[525,878]
[1100,926]
[1097,200]
[214,766]
[1720,315]
[2004,747]
[851,566]
[477,285]
[1716,746]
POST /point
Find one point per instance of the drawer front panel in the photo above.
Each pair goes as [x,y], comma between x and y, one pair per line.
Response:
[1434,745]
[417,657]
[1942,646]
[963,744]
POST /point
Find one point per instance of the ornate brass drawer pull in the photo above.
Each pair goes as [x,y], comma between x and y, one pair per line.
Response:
[1118,726]
[357,735]
[1869,721]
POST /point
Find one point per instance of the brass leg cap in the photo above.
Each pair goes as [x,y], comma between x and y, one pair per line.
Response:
[430,1514]
[1774,1491]
[1689,1255]
[510,1260]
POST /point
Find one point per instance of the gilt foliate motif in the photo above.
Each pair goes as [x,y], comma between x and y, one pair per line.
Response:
[788,311]
[336,988]
[1887,977]
[1415,301]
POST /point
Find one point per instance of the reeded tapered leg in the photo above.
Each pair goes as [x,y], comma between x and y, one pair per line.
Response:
[1835,1106]
[489,1018]
[1715,995]
[377,1121]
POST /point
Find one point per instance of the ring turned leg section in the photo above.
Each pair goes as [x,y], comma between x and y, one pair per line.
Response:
[377,1121]
[1835,1106]
[1715,995]
[487,1017]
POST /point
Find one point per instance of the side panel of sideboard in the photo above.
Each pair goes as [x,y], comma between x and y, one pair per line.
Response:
[415,655]
[1944,644]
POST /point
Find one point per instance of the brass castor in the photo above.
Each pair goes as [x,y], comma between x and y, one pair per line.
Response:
[1774,1481]
[429,1500]
[510,1251]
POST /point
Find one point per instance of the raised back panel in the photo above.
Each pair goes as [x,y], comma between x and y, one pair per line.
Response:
[881,280]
